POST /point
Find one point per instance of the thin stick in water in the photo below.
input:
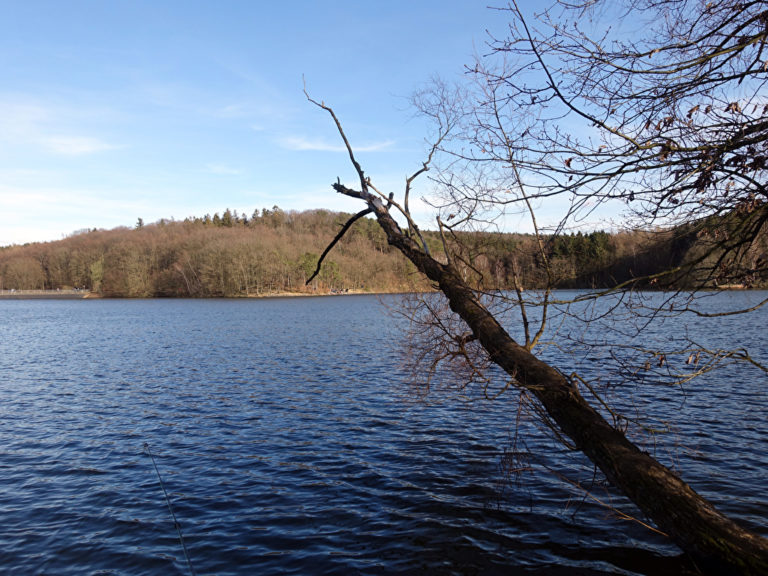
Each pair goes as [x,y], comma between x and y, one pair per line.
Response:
[170,509]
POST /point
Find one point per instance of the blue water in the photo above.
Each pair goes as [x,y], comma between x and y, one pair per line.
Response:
[289,442]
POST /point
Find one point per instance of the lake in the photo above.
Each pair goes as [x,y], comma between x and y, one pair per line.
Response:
[289,442]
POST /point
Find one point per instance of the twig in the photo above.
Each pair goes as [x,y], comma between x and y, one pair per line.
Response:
[170,509]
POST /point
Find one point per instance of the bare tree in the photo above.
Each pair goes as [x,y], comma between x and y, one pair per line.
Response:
[672,125]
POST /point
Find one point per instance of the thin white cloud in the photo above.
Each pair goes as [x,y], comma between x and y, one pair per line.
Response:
[302,144]
[233,111]
[223,169]
[74,145]
[44,126]
[257,111]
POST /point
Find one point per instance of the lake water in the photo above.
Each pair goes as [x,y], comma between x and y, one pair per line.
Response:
[289,442]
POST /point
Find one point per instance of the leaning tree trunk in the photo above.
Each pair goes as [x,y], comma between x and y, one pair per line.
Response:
[686,517]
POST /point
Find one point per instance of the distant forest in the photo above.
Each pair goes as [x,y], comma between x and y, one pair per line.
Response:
[275,251]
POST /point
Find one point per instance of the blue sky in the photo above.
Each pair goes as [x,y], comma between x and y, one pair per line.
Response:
[116,110]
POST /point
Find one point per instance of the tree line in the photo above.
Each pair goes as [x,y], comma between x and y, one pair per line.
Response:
[275,251]
[228,255]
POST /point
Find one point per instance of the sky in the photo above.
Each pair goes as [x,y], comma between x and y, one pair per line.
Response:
[115,110]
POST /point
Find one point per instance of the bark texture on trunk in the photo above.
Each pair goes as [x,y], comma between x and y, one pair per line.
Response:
[717,543]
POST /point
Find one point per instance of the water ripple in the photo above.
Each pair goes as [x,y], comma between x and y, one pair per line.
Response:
[288,444]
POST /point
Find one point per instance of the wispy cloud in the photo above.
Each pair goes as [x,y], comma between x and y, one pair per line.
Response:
[302,144]
[260,110]
[44,126]
[74,145]
[233,111]
[223,169]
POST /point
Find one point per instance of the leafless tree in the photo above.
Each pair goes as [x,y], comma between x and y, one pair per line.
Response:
[670,124]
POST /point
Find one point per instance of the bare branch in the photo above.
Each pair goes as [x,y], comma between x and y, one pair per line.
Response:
[338,237]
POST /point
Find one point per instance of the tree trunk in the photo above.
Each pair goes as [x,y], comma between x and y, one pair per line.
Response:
[687,518]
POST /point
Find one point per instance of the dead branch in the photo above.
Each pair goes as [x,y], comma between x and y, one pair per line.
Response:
[333,243]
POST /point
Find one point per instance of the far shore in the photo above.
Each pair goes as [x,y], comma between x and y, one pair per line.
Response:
[85,294]
[46,294]
[70,294]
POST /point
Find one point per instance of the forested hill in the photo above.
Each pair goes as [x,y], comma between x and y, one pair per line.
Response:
[276,251]
[230,255]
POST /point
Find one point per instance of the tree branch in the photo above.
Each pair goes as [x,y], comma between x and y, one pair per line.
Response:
[338,237]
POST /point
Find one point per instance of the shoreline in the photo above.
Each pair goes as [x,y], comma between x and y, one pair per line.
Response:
[86,295]
[47,294]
